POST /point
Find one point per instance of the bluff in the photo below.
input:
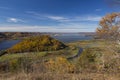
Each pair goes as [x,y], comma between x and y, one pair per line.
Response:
[37,44]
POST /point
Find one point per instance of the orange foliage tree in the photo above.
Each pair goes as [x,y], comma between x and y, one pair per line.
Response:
[109,27]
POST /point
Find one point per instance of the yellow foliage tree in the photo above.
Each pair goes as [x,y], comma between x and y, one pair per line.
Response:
[109,27]
[37,44]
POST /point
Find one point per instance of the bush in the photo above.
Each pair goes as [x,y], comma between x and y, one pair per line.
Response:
[16,65]
[90,59]
[60,65]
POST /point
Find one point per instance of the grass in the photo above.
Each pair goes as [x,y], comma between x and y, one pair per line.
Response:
[69,51]
[72,50]
[53,76]
[89,43]
[19,55]
[96,62]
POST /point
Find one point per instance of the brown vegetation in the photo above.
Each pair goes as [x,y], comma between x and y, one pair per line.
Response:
[109,27]
[37,44]
[95,63]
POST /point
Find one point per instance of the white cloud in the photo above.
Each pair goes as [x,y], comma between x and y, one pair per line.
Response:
[98,9]
[64,18]
[15,20]
[75,19]
[12,20]
[46,16]
[58,18]
[39,29]
[85,23]
[32,12]
[4,8]
[89,18]
[60,28]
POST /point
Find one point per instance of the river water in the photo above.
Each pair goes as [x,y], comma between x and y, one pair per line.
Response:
[7,44]
[64,38]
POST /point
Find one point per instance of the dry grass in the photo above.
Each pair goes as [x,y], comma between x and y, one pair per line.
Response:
[95,63]
[54,76]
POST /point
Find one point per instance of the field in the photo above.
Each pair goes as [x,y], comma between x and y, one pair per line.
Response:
[98,61]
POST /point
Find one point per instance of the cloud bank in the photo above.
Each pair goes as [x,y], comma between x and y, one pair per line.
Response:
[60,28]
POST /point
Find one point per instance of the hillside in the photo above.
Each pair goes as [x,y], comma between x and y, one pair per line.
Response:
[37,44]
[95,63]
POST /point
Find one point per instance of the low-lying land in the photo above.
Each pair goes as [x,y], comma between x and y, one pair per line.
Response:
[97,62]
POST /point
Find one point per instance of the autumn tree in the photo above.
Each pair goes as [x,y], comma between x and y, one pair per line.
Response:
[37,44]
[109,28]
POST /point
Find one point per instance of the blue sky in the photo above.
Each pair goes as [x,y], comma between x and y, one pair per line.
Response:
[52,15]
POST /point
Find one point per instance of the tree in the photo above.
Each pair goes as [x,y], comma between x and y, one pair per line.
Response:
[37,44]
[109,28]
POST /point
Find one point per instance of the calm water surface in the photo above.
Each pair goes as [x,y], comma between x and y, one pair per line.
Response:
[7,44]
[64,38]
[72,37]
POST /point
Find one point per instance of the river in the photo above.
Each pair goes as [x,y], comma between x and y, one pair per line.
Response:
[7,44]
[64,38]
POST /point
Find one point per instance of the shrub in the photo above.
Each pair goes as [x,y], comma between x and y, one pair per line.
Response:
[90,59]
[59,65]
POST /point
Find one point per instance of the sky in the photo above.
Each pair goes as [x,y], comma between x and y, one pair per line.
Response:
[52,15]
